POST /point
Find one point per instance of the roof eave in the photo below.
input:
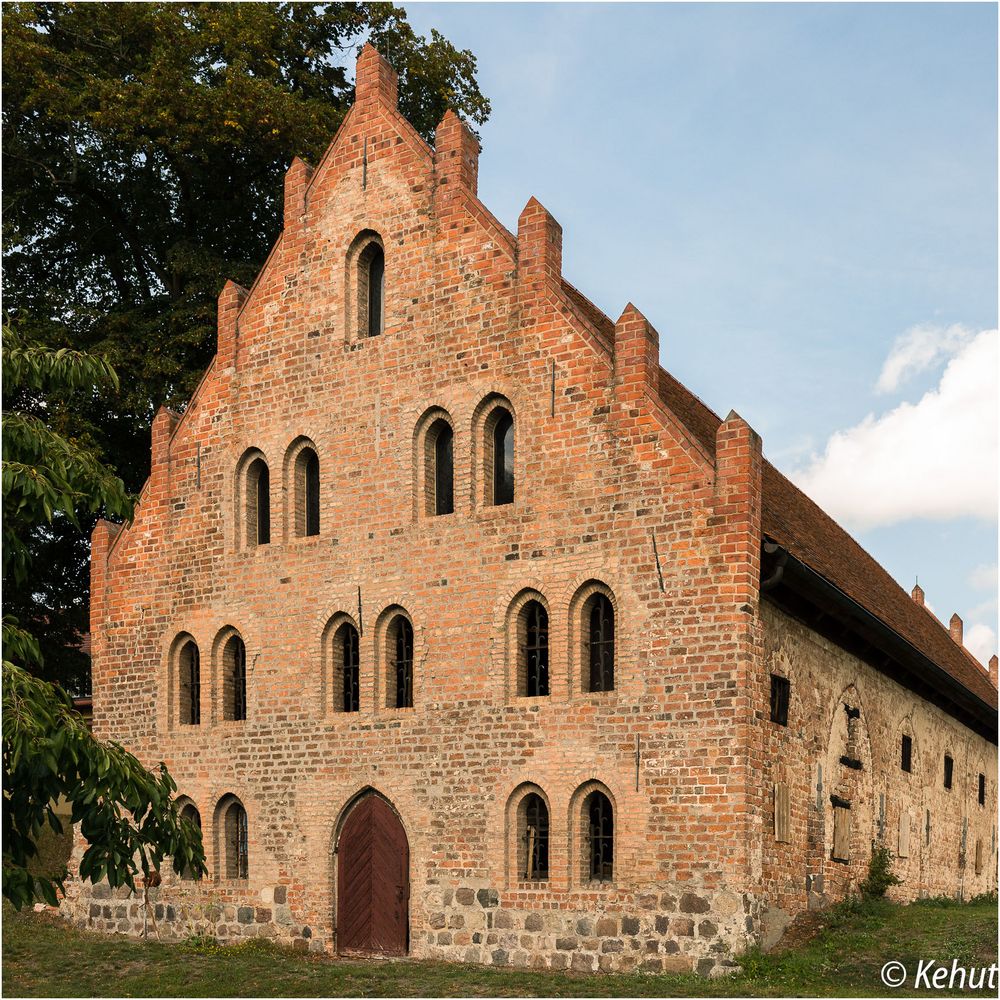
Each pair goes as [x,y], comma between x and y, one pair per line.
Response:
[818,603]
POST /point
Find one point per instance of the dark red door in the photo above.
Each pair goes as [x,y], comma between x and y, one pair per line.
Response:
[373,881]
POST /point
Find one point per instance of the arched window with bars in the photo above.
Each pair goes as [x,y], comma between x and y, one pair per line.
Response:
[402,639]
[234,679]
[533,814]
[189,687]
[601,642]
[346,645]
[533,650]
[190,813]
[600,822]
[235,846]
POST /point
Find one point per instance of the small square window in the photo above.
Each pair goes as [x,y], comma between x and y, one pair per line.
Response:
[949,769]
[906,755]
[780,691]
[982,789]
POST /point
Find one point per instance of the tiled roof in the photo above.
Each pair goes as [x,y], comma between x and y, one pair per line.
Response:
[814,538]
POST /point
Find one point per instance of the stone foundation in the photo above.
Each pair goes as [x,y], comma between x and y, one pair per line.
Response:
[659,931]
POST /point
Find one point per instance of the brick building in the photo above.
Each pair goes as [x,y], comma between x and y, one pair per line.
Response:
[468,632]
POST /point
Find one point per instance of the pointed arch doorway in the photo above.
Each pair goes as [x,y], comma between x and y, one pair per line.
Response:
[373,880]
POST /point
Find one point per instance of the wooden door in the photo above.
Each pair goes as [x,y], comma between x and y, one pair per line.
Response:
[373,881]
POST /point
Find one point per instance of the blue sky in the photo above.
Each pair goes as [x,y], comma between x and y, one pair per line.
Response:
[793,194]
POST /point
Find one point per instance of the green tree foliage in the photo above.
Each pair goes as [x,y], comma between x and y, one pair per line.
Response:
[880,876]
[125,812]
[52,486]
[145,146]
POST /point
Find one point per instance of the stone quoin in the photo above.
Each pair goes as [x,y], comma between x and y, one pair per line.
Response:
[469,633]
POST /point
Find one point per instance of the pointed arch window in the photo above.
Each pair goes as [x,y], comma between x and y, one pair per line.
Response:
[236,845]
[601,645]
[191,814]
[503,458]
[444,468]
[258,503]
[601,836]
[534,838]
[310,486]
[402,639]
[376,292]
[533,652]
[350,665]
[371,289]
[189,663]
[234,679]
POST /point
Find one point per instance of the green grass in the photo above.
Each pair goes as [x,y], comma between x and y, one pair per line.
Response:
[44,957]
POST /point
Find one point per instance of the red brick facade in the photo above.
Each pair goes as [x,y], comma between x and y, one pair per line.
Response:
[614,494]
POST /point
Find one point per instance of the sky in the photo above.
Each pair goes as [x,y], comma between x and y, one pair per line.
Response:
[802,199]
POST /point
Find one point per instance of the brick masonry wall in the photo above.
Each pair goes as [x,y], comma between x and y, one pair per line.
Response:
[610,488]
[603,474]
[806,754]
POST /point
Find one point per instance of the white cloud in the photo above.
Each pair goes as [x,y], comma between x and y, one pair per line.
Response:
[984,577]
[981,641]
[934,459]
[919,349]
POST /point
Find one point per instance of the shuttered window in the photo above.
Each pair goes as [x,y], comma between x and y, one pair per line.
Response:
[841,831]
[903,844]
[782,814]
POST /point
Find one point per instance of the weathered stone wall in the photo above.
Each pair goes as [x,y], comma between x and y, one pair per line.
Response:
[944,825]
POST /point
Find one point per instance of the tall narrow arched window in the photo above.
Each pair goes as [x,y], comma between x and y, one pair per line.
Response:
[258,503]
[600,836]
[236,841]
[601,644]
[534,830]
[401,646]
[444,467]
[189,669]
[503,458]
[372,286]
[190,813]
[234,679]
[346,650]
[310,489]
[533,650]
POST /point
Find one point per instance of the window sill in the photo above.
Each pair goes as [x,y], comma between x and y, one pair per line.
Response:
[532,885]
[303,540]
[598,695]
[489,511]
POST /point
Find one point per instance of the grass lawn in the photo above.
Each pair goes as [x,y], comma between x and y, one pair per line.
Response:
[43,957]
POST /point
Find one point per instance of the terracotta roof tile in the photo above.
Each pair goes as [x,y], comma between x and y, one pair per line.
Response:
[814,538]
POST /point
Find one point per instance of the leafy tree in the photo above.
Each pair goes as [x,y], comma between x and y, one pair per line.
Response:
[125,812]
[145,146]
